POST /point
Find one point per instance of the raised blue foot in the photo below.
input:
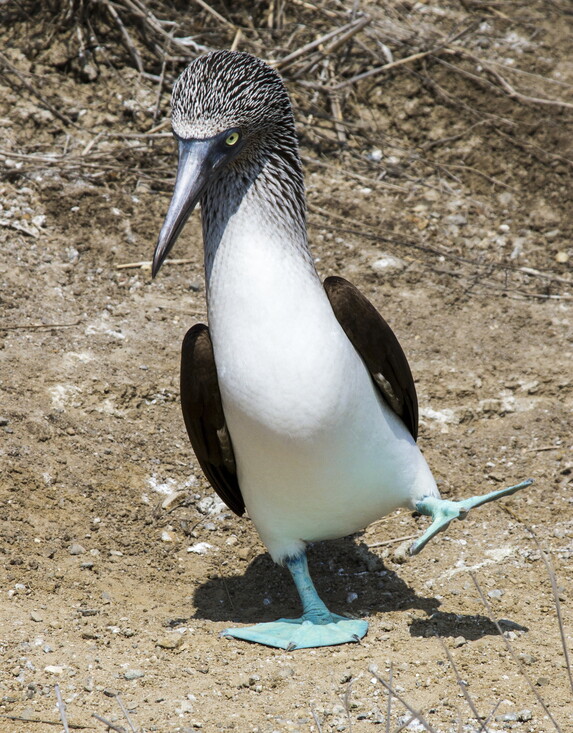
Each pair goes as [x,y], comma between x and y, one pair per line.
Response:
[316,627]
[443,511]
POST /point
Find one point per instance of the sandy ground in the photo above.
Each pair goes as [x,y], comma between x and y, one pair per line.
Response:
[465,249]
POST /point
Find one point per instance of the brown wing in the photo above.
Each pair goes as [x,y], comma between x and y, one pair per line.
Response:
[204,416]
[379,348]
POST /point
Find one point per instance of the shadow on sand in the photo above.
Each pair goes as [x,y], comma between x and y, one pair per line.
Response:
[350,579]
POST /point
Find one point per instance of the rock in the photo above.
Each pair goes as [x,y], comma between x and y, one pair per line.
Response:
[133,674]
[507,718]
[211,505]
[200,548]
[76,549]
[53,669]
[459,641]
[388,263]
[170,641]
[37,617]
[401,554]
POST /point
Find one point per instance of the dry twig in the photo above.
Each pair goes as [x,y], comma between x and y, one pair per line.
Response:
[415,714]
[512,653]
[62,709]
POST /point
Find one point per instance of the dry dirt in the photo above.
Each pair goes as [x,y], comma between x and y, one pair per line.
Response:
[103,591]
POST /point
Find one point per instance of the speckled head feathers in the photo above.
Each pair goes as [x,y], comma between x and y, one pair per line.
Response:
[226,89]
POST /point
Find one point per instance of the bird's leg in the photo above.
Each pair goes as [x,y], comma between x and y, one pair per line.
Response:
[443,511]
[313,608]
[316,627]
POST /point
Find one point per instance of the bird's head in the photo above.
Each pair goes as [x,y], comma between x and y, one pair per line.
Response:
[227,108]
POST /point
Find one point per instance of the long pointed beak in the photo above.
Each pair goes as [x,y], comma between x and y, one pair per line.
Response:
[193,174]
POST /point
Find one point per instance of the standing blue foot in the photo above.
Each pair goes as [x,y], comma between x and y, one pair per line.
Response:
[443,511]
[316,627]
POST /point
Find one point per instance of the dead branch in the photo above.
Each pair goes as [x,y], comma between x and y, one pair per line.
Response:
[354,26]
[43,721]
[504,84]
[36,326]
[133,52]
[215,14]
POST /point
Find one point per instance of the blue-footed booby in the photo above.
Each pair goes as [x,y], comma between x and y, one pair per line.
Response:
[297,398]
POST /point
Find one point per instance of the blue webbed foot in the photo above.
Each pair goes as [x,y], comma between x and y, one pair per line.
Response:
[443,511]
[300,633]
[316,627]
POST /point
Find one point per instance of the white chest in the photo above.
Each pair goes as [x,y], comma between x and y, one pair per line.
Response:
[318,452]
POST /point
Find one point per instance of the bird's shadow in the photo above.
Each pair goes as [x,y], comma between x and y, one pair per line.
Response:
[349,577]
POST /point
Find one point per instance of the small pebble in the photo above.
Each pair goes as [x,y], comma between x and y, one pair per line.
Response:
[53,669]
[133,674]
[200,548]
[37,617]
[507,718]
[76,549]
[172,641]
[387,263]
[459,641]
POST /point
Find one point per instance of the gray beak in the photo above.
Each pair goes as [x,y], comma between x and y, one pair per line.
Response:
[196,164]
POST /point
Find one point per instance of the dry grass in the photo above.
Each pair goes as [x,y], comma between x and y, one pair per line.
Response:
[330,58]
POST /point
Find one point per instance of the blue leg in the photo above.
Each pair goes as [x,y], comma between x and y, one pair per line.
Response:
[443,511]
[316,627]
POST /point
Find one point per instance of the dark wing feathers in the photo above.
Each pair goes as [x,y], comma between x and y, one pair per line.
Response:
[379,348]
[204,417]
[368,332]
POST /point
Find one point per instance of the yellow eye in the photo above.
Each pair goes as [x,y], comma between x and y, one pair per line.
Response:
[233,139]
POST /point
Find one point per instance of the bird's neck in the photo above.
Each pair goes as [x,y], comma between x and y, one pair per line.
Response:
[256,210]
